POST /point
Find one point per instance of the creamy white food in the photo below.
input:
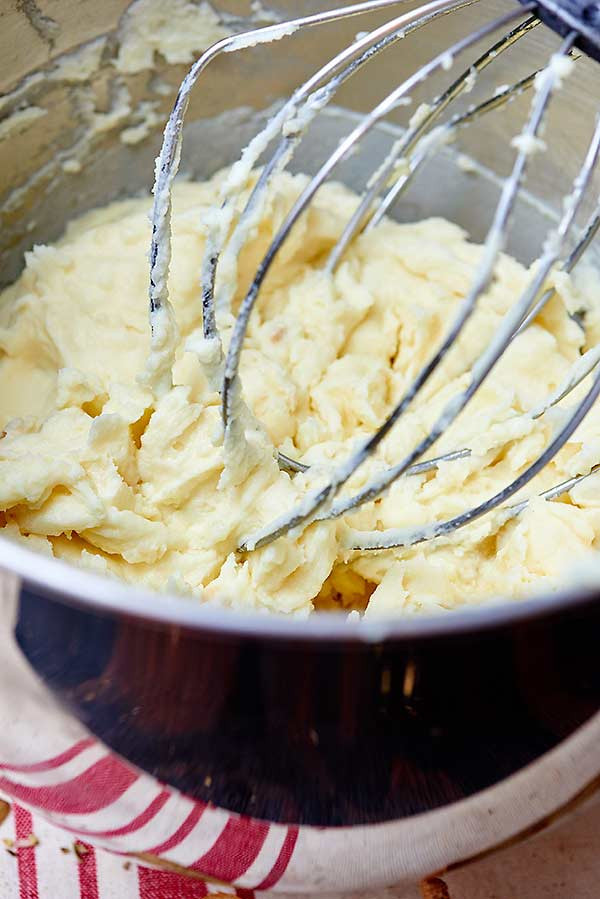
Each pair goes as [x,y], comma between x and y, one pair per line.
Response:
[98,469]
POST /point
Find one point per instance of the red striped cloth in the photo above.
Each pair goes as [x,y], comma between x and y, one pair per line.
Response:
[39,861]
[76,787]
[93,796]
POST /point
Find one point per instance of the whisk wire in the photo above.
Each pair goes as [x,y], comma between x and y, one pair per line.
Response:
[361,219]
[167,163]
[505,335]
[445,134]
[378,540]
[226,238]
[486,362]
[589,232]
[343,149]
[302,106]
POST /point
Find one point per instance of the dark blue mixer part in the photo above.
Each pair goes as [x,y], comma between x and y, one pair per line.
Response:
[566,16]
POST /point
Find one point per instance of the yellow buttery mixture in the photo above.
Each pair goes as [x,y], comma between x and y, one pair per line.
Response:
[97,470]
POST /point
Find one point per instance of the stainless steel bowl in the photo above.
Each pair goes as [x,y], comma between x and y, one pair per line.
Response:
[376,754]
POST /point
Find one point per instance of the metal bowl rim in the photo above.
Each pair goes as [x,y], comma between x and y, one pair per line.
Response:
[107,595]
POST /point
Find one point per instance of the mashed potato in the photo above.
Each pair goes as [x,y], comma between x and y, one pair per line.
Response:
[97,470]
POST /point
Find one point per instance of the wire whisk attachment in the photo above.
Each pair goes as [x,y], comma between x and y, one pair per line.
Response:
[227,232]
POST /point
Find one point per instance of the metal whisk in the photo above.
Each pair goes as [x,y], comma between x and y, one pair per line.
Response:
[579,27]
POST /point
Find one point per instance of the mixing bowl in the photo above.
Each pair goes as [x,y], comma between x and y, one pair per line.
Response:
[267,752]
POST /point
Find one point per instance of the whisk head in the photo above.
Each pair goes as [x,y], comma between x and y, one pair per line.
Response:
[579,26]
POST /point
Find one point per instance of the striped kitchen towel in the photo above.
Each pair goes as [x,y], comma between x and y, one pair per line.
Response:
[50,764]
[90,796]
[39,861]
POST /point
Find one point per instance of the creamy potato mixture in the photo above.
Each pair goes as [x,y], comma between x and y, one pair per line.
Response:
[98,469]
